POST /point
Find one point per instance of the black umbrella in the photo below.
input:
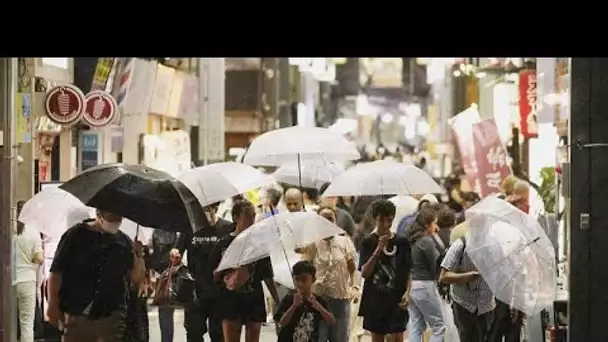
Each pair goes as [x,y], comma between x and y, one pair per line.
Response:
[146,196]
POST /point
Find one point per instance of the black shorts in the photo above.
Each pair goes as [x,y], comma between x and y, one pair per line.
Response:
[241,307]
[388,322]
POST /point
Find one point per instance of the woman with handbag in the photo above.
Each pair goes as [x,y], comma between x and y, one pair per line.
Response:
[161,244]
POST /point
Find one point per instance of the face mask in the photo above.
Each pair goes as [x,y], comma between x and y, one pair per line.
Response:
[109,227]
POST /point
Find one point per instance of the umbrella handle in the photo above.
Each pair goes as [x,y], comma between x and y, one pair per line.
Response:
[137,233]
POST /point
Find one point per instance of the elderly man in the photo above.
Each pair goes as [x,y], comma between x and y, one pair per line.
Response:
[293,200]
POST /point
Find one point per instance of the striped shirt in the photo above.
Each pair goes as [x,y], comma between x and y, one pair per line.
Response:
[474,296]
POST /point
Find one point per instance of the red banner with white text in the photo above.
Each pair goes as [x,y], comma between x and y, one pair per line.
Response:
[527,104]
[490,157]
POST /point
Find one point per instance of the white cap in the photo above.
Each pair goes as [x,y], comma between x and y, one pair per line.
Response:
[430,198]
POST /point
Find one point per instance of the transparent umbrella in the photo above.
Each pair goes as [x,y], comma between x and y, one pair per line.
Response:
[405,205]
[275,236]
[217,182]
[53,210]
[299,144]
[310,174]
[382,177]
[513,255]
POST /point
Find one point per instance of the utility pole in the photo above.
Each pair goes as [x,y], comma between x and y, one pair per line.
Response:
[8,91]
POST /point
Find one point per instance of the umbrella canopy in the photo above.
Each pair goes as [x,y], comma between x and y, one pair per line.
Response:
[382,177]
[52,211]
[275,235]
[310,174]
[299,144]
[146,196]
[217,182]
[513,255]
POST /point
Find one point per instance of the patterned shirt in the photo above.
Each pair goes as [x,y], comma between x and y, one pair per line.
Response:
[475,296]
[331,260]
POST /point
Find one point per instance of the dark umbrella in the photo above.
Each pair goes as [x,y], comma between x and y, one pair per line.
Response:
[146,196]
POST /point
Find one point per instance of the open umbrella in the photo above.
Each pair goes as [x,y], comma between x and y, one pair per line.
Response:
[299,144]
[310,174]
[513,254]
[382,177]
[146,196]
[217,182]
[276,235]
[52,211]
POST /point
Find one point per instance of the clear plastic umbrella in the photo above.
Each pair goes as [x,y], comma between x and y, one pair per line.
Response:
[311,175]
[382,177]
[513,255]
[275,236]
[217,182]
[300,144]
[53,210]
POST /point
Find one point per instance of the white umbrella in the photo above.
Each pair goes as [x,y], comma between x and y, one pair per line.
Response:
[513,255]
[300,144]
[276,235]
[52,211]
[310,175]
[382,177]
[217,182]
[405,205]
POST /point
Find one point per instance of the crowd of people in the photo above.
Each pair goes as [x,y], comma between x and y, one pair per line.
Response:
[371,278]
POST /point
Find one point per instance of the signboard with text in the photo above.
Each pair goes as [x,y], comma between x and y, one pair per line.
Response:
[490,157]
[89,150]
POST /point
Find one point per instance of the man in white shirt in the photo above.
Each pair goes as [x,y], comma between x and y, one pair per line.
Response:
[27,257]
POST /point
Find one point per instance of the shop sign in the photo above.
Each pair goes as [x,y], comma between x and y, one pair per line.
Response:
[89,150]
[490,157]
[64,104]
[527,104]
[99,109]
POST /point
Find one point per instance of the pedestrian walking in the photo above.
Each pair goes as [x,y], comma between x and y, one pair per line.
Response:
[27,257]
[93,267]
[385,263]
[343,218]
[336,278]
[425,304]
[200,316]
[241,297]
[472,300]
[161,245]
[301,314]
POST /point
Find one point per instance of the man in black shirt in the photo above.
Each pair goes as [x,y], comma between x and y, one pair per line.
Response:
[93,267]
[199,246]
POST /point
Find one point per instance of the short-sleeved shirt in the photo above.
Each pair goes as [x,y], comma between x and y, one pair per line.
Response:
[386,285]
[25,247]
[304,324]
[200,246]
[424,259]
[331,258]
[95,270]
[475,296]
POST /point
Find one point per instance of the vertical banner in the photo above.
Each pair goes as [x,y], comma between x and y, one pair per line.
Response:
[490,157]
[24,118]
[527,104]
[461,126]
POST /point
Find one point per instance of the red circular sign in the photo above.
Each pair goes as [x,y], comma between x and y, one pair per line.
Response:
[64,104]
[99,108]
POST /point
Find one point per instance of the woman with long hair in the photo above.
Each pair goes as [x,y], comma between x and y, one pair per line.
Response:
[425,305]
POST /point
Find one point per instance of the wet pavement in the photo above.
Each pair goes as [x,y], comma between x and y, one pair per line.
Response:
[268,333]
